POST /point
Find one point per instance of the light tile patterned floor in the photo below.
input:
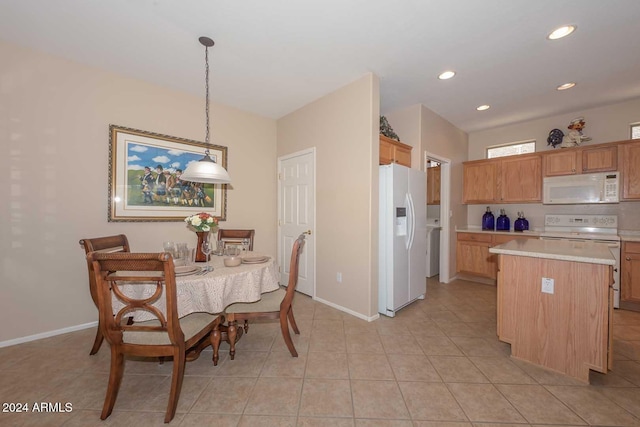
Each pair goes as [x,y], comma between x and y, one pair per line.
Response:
[438,363]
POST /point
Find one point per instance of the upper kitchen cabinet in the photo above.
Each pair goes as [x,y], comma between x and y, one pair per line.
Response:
[511,179]
[480,181]
[572,161]
[630,171]
[392,151]
[521,179]
[433,185]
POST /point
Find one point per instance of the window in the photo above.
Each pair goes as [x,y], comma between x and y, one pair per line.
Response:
[635,131]
[511,149]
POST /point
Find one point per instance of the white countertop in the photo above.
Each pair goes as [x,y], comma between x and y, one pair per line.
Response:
[593,253]
[629,235]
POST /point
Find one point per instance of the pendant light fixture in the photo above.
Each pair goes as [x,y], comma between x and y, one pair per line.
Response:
[206,170]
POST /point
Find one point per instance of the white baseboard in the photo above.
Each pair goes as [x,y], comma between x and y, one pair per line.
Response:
[346,310]
[48,334]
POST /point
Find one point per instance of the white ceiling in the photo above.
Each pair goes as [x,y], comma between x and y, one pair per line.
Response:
[274,56]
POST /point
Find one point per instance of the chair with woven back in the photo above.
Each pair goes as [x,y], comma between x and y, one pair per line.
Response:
[236,237]
[116,276]
[272,305]
[116,243]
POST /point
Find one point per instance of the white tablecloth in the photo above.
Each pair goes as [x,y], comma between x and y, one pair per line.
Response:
[211,292]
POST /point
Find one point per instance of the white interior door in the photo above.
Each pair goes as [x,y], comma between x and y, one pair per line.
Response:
[296,215]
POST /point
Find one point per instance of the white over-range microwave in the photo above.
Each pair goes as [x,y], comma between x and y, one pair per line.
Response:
[581,189]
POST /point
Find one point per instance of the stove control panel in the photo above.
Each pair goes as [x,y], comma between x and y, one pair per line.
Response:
[581,221]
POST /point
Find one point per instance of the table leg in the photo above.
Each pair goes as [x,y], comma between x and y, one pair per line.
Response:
[232,331]
[215,343]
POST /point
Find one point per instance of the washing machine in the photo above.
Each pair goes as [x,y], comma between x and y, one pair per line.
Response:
[433,247]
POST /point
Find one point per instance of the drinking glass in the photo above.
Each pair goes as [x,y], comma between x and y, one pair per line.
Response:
[206,249]
[245,245]
[182,252]
[220,248]
[170,247]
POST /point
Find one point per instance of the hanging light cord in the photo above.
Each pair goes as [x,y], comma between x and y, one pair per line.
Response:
[206,79]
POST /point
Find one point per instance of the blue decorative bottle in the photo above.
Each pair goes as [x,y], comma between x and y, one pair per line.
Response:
[488,220]
[503,223]
[521,223]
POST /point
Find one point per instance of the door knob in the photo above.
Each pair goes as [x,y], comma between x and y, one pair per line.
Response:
[308,232]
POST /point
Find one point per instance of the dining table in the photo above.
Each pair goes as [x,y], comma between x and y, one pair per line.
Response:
[199,289]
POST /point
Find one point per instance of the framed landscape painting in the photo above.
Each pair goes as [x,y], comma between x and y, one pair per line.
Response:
[144,177]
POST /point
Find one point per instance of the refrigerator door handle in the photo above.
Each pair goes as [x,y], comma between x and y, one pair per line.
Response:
[411,221]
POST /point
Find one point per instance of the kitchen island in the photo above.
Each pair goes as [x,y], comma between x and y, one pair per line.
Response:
[555,303]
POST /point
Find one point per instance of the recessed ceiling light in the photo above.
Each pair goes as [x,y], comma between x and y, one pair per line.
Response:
[483,107]
[561,32]
[447,75]
[566,86]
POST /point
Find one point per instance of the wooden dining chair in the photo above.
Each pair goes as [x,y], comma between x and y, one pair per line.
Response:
[272,305]
[236,236]
[166,335]
[117,243]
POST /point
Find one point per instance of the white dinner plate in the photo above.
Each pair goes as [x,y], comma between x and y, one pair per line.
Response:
[255,259]
[185,270]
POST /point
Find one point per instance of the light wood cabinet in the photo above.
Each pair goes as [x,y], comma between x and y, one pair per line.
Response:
[521,179]
[630,277]
[630,171]
[563,162]
[480,181]
[512,179]
[472,255]
[599,159]
[568,330]
[578,160]
[472,252]
[392,151]
[433,185]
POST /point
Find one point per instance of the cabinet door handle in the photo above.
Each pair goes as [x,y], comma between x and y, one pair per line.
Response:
[628,259]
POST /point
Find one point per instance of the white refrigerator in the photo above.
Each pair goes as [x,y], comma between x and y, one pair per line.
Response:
[402,237]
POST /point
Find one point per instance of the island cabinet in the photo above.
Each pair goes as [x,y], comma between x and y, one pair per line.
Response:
[630,277]
[392,151]
[433,185]
[472,252]
[573,161]
[554,305]
[512,179]
[630,172]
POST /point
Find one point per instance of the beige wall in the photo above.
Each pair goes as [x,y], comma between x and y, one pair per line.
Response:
[443,139]
[406,124]
[54,129]
[604,124]
[343,127]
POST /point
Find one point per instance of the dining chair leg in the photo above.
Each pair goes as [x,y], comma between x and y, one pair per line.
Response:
[284,326]
[115,378]
[292,320]
[179,360]
[216,337]
[232,332]
[97,342]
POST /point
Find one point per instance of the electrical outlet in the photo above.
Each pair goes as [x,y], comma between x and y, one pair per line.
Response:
[547,285]
[339,277]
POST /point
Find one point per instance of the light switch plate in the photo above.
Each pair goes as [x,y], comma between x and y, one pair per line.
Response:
[547,285]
